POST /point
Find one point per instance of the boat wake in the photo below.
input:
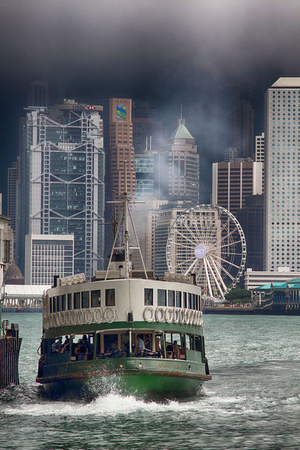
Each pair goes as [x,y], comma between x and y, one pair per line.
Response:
[112,404]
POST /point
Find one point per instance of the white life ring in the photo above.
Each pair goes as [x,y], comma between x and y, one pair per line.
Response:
[176,315]
[109,315]
[80,317]
[68,318]
[200,319]
[98,315]
[159,314]
[187,315]
[88,316]
[181,316]
[169,315]
[148,314]
[75,317]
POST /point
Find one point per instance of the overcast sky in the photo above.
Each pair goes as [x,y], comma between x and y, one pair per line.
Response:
[140,49]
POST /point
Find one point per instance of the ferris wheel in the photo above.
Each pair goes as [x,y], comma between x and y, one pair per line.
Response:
[208,241]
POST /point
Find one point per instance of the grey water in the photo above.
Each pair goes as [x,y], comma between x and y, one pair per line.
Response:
[252,402]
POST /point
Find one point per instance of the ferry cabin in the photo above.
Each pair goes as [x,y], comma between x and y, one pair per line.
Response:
[105,319]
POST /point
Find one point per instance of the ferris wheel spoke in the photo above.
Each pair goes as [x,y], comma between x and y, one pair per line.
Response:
[207,278]
[185,237]
[190,231]
[190,267]
[227,262]
[215,278]
[231,244]
[179,244]
[185,262]
[222,268]
[218,274]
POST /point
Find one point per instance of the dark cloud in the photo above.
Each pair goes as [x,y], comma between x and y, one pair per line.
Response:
[162,49]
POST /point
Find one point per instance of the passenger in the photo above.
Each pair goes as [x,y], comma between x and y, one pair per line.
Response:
[140,345]
[55,348]
[66,345]
[176,351]
[81,351]
[169,350]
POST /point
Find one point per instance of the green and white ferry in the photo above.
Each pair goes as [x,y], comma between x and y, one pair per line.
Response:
[123,330]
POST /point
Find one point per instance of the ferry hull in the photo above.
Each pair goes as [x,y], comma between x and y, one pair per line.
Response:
[151,381]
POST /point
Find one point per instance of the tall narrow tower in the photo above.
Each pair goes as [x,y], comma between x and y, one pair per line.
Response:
[282,178]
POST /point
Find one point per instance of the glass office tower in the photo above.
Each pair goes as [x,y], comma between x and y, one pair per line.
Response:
[63,181]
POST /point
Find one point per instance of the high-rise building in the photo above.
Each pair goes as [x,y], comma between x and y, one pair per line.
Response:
[260,148]
[119,151]
[180,168]
[234,181]
[12,194]
[62,188]
[147,130]
[47,256]
[243,122]
[282,182]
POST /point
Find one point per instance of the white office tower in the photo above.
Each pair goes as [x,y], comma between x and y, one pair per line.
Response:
[260,148]
[282,176]
[63,180]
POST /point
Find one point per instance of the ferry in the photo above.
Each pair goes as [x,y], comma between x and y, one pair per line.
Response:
[124,331]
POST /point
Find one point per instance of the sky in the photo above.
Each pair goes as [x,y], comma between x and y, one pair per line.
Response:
[166,51]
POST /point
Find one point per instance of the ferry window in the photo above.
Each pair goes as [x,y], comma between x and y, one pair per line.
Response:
[184,300]
[96,298]
[148,296]
[77,300]
[171,298]
[198,343]
[51,304]
[110,344]
[59,303]
[178,299]
[194,301]
[161,297]
[70,303]
[190,301]
[187,341]
[54,304]
[110,297]
[64,302]
[85,299]
[82,347]
[192,342]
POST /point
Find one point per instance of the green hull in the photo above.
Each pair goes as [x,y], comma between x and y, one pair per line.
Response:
[149,378]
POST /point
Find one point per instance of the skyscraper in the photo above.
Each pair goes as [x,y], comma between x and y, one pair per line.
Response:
[282,179]
[63,179]
[243,122]
[119,149]
[181,169]
[234,181]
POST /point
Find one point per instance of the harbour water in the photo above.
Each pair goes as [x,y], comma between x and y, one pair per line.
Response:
[252,402]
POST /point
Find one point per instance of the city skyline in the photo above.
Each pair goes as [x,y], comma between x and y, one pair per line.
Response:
[171,53]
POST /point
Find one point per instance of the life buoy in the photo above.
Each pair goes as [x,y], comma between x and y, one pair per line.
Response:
[169,315]
[88,316]
[98,316]
[176,315]
[109,315]
[75,317]
[148,314]
[80,317]
[68,318]
[181,316]
[187,314]
[200,319]
[159,314]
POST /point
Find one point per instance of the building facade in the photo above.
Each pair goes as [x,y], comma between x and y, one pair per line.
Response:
[119,151]
[282,182]
[47,256]
[181,166]
[260,148]
[233,182]
[62,187]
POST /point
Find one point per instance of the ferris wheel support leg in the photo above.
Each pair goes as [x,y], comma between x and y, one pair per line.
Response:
[207,277]
[215,279]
